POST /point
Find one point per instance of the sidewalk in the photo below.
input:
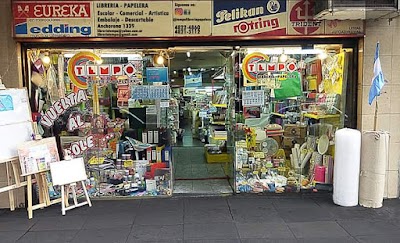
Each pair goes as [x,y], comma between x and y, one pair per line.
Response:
[214,219]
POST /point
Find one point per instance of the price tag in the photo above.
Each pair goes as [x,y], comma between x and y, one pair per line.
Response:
[164,104]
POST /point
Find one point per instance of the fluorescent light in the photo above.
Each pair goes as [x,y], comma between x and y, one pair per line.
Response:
[188,54]
[134,56]
[286,50]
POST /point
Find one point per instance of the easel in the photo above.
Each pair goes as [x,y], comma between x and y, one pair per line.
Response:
[12,164]
[41,182]
[75,171]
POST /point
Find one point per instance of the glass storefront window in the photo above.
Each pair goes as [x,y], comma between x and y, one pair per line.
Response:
[292,100]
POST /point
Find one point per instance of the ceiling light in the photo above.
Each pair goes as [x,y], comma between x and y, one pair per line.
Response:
[184,69]
[99,61]
[160,60]
[46,60]
[189,69]
[322,55]
[188,54]
[202,69]
[283,57]
[212,69]
[175,72]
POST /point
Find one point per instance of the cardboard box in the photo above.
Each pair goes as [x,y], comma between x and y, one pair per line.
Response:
[295,130]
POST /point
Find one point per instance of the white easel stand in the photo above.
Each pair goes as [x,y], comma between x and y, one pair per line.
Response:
[75,169]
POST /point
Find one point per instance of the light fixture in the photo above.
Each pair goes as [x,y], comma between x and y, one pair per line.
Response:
[202,69]
[160,60]
[188,54]
[99,61]
[283,57]
[189,69]
[212,69]
[175,72]
[190,73]
[184,69]
[46,59]
[322,55]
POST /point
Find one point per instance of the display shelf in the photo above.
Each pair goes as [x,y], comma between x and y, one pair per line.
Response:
[278,114]
[220,105]
[218,138]
[315,116]
[217,158]
[223,123]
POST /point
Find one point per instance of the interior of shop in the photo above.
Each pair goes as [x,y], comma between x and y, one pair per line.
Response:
[194,120]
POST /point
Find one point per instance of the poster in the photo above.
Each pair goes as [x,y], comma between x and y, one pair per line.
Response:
[133,18]
[242,18]
[192,18]
[36,156]
[156,74]
[53,19]
[301,18]
[253,98]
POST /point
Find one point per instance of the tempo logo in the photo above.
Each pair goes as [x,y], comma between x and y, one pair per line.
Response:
[62,29]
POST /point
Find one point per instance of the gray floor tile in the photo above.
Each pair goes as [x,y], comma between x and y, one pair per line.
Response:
[255,240]
[154,232]
[205,202]
[59,236]
[305,215]
[387,238]
[10,224]
[162,205]
[208,215]
[264,230]
[347,213]
[368,227]
[159,218]
[210,231]
[294,203]
[348,239]
[61,222]
[317,229]
[116,235]
[214,241]
[245,203]
[106,221]
[11,236]
[256,215]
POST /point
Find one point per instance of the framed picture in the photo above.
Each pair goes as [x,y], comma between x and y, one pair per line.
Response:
[36,156]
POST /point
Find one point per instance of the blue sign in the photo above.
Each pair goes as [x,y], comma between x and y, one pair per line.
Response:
[193,80]
[234,11]
[157,74]
[6,103]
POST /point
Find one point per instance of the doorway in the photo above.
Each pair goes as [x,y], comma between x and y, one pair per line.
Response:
[201,84]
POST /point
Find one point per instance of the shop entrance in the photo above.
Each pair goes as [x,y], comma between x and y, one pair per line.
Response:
[202,161]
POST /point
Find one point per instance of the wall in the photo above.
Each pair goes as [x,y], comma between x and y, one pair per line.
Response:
[388,34]
[8,47]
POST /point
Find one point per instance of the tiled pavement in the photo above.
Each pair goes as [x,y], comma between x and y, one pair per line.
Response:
[240,218]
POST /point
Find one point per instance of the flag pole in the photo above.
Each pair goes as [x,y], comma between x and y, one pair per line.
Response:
[376,113]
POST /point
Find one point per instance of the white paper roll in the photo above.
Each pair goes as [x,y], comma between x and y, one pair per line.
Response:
[347,167]
[374,158]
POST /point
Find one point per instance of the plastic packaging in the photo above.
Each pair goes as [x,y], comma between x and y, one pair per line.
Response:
[374,158]
[347,167]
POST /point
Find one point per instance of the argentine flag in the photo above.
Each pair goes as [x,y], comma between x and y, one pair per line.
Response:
[378,80]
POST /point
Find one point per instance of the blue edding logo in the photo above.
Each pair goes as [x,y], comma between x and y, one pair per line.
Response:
[62,29]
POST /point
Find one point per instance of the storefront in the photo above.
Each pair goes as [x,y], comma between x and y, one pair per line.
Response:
[261,86]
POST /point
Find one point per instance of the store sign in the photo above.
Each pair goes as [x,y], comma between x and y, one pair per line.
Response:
[53,19]
[301,18]
[60,106]
[341,27]
[233,18]
[193,80]
[156,74]
[192,18]
[178,18]
[80,72]
[189,92]
[133,18]
[256,66]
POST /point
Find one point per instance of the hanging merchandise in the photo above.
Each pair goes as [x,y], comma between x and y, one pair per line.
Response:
[290,87]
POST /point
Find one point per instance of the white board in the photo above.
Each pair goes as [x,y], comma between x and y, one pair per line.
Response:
[13,135]
[14,106]
[68,171]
